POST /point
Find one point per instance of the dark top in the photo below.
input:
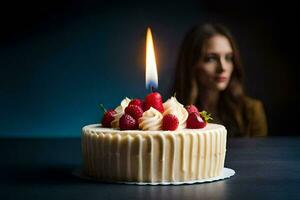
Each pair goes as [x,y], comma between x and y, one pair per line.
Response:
[249,122]
[256,124]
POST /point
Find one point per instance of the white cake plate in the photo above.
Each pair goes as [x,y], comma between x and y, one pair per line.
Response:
[226,173]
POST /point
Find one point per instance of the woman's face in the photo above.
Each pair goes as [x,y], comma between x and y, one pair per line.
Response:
[215,66]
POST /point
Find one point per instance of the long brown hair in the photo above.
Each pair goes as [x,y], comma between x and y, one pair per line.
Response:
[231,101]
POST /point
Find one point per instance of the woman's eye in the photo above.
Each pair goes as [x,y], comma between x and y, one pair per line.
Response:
[229,58]
[210,59]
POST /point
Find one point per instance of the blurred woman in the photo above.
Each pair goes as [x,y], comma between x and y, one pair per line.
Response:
[209,75]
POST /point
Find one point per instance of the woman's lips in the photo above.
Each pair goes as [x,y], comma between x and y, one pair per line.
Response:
[221,78]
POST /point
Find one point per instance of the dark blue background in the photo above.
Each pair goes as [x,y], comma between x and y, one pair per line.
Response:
[60,60]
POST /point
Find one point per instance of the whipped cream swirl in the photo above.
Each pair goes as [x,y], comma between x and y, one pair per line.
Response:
[172,106]
[120,111]
[151,120]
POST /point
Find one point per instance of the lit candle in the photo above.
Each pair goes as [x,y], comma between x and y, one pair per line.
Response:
[151,69]
[153,99]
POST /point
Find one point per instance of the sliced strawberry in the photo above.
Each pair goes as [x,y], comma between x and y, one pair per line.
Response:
[134,111]
[191,109]
[108,117]
[127,122]
[154,100]
[170,122]
[195,121]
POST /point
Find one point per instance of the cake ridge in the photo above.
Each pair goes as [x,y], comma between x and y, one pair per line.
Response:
[154,156]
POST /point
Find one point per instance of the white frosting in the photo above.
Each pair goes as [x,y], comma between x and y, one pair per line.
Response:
[154,156]
[172,106]
[151,120]
[120,111]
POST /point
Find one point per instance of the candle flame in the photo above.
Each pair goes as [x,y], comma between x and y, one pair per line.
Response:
[151,69]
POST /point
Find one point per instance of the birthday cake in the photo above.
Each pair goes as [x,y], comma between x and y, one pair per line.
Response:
[154,142]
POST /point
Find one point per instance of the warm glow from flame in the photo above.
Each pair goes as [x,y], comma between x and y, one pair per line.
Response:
[151,70]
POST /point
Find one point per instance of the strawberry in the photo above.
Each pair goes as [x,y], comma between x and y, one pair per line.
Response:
[198,120]
[137,102]
[127,122]
[170,122]
[191,109]
[108,117]
[154,100]
[194,121]
[134,111]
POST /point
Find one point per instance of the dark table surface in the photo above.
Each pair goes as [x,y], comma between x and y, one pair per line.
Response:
[42,169]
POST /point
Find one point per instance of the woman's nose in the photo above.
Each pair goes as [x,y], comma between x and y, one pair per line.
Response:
[221,65]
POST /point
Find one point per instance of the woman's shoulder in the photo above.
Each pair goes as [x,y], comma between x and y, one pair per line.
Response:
[252,103]
[256,115]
